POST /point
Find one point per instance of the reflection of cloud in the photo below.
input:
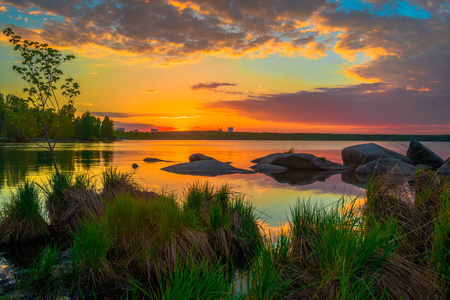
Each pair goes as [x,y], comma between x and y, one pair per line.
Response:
[151,91]
[358,105]
[210,85]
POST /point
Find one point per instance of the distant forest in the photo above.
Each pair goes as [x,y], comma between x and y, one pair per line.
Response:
[218,135]
[20,122]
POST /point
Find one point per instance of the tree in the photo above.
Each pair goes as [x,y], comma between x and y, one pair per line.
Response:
[40,70]
[107,128]
[2,111]
[20,122]
[87,127]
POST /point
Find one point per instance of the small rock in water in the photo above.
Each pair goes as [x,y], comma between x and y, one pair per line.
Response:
[135,166]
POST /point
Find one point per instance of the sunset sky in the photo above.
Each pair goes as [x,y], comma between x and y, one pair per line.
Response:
[374,66]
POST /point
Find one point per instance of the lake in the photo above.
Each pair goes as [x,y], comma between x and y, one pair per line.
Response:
[272,197]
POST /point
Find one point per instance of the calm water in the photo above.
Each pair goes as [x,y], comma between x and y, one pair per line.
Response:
[271,197]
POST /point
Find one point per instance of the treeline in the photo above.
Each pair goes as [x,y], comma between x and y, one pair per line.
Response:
[21,122]
[217,135]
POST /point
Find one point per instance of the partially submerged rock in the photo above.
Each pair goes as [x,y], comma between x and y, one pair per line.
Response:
[151,160]
[445,169]
[199,156]
[392,166]
[358,155]
[210,167]
[135,166]
[420,154]
[301,161]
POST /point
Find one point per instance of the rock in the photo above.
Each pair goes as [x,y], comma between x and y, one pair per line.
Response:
[420,154]
[258,160]
[135,166]
[151,160]
[302,161]
[210,167]
[268,168]
[386,166]
[199,156]
[358,155]
[445,169]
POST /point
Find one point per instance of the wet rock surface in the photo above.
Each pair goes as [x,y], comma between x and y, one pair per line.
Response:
[210,167]
[420,154]
[358,155]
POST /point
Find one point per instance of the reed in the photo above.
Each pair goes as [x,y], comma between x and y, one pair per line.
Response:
[21,217]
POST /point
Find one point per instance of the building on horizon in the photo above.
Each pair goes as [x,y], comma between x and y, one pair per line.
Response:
[230,129]
[154,130]
[120,129]
[220,129]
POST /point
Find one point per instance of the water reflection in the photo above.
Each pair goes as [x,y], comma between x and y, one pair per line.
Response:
[271,195]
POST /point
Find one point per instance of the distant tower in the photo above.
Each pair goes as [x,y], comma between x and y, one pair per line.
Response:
[154,130]
[230,129]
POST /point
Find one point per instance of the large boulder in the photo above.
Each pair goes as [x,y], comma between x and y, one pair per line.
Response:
[258,160]
[358,155]
[445,169]
[301,161]
[422,155]
[210,167]
[199,156]
[392,166]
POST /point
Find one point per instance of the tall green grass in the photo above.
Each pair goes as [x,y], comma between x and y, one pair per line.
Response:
[21,217]
[89,252]
[190,280]
[347,258]
[42,275]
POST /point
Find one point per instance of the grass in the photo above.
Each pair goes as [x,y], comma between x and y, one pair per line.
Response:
[396,247]
[72,202]
[91,244]
[42,275]
[21,217]
[117,183]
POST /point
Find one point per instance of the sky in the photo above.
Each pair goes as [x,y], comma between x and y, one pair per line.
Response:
[353,66]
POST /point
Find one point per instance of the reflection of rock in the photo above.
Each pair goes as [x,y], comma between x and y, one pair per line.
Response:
[301,161]
[209,167]
[358,155]
[420,154]
[390,166]
[351,178]
[302,177]
[199,156]
[151,160]
[445,169]
[269,168]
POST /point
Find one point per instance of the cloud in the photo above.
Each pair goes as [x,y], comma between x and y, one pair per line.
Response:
[3,9]
[178,30]
[403,51]
[210,85]
[374,105]
[86,104]
[112,114]
[151,91]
